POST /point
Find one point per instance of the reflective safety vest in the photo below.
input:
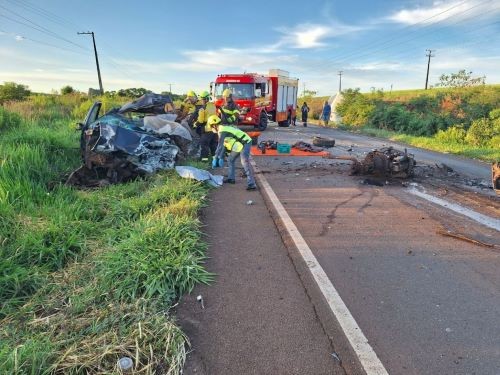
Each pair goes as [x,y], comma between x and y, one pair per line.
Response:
[231,113]
[203,114]
[234,138]
[232,144]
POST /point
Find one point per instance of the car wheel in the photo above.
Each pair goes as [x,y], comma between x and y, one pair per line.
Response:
[323,142]
[263,121]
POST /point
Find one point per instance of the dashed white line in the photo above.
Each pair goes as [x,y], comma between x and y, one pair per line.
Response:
[365,353]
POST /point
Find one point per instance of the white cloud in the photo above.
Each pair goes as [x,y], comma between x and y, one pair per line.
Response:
[313,35]
[446,12]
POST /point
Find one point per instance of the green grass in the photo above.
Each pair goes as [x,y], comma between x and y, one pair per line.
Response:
[488,154]
[89,276]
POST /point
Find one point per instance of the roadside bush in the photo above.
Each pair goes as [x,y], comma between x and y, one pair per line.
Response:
[454,134]
[355,108]
[480,132]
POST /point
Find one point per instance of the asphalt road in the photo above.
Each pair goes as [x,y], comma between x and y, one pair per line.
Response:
[361,143]
[428,303]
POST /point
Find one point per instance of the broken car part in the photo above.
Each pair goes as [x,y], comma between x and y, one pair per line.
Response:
[137,139]
[386,161]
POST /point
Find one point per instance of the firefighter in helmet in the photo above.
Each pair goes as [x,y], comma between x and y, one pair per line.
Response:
[238,144]
[230,113]
[208,139]
[188,107]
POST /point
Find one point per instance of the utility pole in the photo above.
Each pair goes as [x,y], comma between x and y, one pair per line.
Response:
[428,65]
[96,59]
[304,90]
[170,88]
[340,80]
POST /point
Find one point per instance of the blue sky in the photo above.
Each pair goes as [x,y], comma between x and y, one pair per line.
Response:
[156,43]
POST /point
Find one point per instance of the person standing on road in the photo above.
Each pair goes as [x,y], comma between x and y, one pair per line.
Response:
[238,144]
[230,113]
[208,139]
[325,113]
[305,112]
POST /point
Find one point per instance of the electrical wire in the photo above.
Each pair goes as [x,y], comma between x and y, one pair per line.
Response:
[362,51]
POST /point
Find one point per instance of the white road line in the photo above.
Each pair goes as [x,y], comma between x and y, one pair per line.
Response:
[476,216]
[366,355]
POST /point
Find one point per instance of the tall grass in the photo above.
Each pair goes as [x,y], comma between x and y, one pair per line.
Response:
[88,276]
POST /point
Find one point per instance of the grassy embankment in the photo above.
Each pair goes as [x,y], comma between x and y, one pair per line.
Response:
[88,276]
[461,121]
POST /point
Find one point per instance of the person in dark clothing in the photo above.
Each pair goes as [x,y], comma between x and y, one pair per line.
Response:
[305,113]
[230,112]
[325,113]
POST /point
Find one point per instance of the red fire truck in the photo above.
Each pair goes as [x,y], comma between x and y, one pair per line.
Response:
[260,97]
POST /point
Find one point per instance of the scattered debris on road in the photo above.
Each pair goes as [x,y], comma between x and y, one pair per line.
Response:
[137,139]
[385,161]
[323,142]
[304,146]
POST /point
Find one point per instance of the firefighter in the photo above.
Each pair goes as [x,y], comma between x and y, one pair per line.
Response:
[238,144]
[230,114]
[188,108]
[208,139]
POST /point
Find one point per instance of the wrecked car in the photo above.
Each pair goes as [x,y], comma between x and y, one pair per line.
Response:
[385,161]
[137,139]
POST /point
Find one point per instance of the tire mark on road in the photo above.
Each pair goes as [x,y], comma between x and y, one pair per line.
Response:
[331,216]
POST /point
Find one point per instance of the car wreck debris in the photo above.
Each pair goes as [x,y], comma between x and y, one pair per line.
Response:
[304,146]
[137,139]
[386,161]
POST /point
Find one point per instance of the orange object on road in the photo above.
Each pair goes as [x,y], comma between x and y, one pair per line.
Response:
[293,152]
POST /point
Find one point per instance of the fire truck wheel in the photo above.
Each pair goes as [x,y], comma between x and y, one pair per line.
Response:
[285,123]
[263,121]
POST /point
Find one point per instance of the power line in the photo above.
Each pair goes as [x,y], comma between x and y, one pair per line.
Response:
[42,43]
[56,19]
[40,27]
[362,51]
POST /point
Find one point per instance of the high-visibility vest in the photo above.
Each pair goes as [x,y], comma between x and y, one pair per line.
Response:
[232,144]
[236,138]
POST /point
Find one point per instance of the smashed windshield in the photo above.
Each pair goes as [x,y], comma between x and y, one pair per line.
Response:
[239,90]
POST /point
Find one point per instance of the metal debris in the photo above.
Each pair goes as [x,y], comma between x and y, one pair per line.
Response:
[304,146]
[386,161]
[137,139]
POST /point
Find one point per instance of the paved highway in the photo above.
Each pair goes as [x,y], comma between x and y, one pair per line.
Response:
[428,303]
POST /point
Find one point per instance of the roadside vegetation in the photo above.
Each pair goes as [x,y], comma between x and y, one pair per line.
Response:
[463,120]
[88,276]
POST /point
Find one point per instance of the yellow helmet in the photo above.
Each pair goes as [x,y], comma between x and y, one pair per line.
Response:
[191,93]
[204,95]
[213,120]
[227,93]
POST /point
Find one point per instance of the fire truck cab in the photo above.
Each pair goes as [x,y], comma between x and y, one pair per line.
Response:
[259,97]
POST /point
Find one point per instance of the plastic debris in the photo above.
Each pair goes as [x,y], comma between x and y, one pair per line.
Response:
[125,364]
[249,202]
[200,301]
[200,175]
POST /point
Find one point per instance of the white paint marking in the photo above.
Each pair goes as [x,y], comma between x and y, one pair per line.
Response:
[366,355]
[476,216]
